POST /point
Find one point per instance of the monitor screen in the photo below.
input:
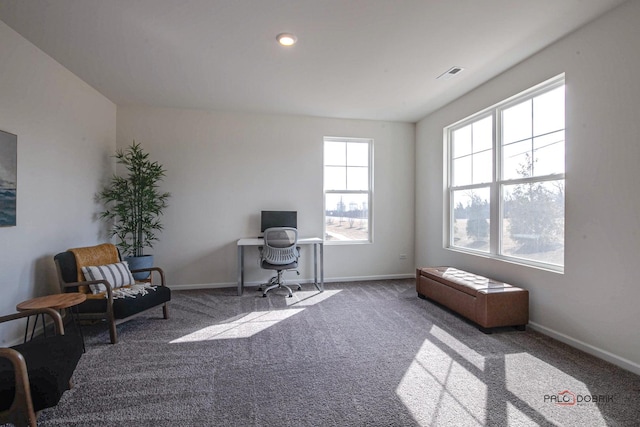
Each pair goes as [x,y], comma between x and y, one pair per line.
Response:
[270,219]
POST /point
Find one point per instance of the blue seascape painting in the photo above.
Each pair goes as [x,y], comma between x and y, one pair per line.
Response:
[8,178]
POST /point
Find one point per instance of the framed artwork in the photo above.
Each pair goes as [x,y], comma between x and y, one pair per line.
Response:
[8,178]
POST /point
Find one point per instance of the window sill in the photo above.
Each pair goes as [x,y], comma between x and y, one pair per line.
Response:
[559,269]
[346,242]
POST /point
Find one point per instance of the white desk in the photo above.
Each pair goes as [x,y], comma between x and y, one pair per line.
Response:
[318,246]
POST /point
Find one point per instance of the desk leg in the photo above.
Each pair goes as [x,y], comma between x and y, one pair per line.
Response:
[240,270]
[315,266]
[321,267]
[320,284]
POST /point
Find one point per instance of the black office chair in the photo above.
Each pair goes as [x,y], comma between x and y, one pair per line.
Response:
[279,253]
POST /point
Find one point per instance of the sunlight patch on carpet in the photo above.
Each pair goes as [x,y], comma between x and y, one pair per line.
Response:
[450,383]
[552,392]
[308,298]
[244,327]
[437,389]
[470,355]
[517,417]
[247,325]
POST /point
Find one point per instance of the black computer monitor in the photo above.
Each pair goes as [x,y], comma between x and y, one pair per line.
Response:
[270,219]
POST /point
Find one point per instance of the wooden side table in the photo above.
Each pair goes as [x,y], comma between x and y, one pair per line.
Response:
[56,302]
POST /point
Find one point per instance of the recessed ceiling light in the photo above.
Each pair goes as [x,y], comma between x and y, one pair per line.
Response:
[286,39]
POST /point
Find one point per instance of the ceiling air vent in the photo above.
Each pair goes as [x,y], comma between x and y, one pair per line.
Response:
[451,72]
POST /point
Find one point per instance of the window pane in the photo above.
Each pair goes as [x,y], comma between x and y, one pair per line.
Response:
[516,160]
[516,123]
[357,154]
[357,178]
[462,171]
[461,145]
[482,167]
[347,217]
[548,112]
[347,195]
[471,219]
[521,160]
[548,153]
[335,178]
[533,221]
[335,153]
[483,134]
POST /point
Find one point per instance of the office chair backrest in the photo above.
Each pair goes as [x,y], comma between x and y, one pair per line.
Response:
[280,245]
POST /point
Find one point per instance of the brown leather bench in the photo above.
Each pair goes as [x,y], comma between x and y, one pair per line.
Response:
[487,302]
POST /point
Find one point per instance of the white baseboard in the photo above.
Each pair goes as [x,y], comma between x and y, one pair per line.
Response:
[588,348]
[202,286]
[303,281]
[365,278]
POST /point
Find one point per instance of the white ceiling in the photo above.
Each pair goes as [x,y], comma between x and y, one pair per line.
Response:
[366,59]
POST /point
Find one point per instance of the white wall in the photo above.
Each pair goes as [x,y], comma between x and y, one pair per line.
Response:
[594,304]
[66,132]
[223,168]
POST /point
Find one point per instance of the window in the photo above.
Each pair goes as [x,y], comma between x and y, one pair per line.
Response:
[506,179]
[348,189]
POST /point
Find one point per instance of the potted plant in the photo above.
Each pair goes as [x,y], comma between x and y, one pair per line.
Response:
[133,205]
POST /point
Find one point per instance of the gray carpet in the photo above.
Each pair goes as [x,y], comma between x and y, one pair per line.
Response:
[359,354]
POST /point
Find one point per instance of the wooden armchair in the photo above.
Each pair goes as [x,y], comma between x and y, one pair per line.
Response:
[109,304]
[34,375]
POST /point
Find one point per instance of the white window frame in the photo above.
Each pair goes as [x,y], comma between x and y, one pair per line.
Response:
[497,183]
[368,193]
